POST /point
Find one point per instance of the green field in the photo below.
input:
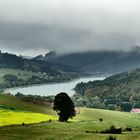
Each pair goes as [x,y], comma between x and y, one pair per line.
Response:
[21,74]
[87,120]
[14,103]
[15,111]
[8,117]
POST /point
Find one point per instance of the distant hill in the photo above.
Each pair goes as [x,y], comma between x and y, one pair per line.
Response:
[97,61]
[18,71]
[121,92]
[12,61]
[48,56]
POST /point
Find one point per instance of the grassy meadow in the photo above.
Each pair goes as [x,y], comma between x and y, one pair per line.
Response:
[8,117]
[82,127]
[14,103]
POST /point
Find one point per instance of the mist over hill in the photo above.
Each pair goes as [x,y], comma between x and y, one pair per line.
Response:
[80,64]
[98,62]
[8,60]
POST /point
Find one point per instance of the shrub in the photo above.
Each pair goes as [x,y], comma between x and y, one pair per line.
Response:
[111,138]
[128,129]
[112,130]
[100,119]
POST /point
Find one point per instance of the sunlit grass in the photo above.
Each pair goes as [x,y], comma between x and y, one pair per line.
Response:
[8,117]
[117,118]
[13,102]
[87,120]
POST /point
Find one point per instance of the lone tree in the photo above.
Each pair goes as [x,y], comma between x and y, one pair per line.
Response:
[64,106]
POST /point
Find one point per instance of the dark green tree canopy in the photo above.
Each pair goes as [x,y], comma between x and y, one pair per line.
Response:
[64,106]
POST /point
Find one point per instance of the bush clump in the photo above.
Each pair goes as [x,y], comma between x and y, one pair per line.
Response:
[112,130]
[128,129]
[111,138]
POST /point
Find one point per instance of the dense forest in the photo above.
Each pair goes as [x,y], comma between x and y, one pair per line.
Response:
[118,92]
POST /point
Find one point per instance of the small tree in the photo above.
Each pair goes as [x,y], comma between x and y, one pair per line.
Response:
[126,106]
[64,106]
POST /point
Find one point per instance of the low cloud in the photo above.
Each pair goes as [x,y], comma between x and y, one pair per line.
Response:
[31,27]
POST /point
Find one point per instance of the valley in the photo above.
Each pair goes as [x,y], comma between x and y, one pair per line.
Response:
[86,125]
[95,98]
[69,70]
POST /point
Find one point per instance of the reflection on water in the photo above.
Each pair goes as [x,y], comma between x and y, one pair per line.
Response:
[53,89]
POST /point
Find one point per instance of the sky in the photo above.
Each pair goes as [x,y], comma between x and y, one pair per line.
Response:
[32,27]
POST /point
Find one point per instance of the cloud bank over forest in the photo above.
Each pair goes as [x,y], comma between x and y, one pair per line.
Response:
[30,27]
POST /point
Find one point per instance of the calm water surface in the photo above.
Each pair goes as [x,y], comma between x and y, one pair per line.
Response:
[53,89]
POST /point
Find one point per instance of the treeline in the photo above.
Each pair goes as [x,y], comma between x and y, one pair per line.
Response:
[118,92]
[11,60]
[44,100]
[11,80]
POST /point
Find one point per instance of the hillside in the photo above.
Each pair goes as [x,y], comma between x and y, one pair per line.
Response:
[20,62]
[12,77]
[121,92]
[84,127]
[18,71]
[14,110]
[15,103]
[96,62]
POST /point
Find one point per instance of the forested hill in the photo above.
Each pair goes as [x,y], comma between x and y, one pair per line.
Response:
[97,61]
[121,92]
[13,61]
[18,71]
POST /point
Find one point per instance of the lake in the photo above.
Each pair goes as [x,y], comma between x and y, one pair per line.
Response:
[52,89]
